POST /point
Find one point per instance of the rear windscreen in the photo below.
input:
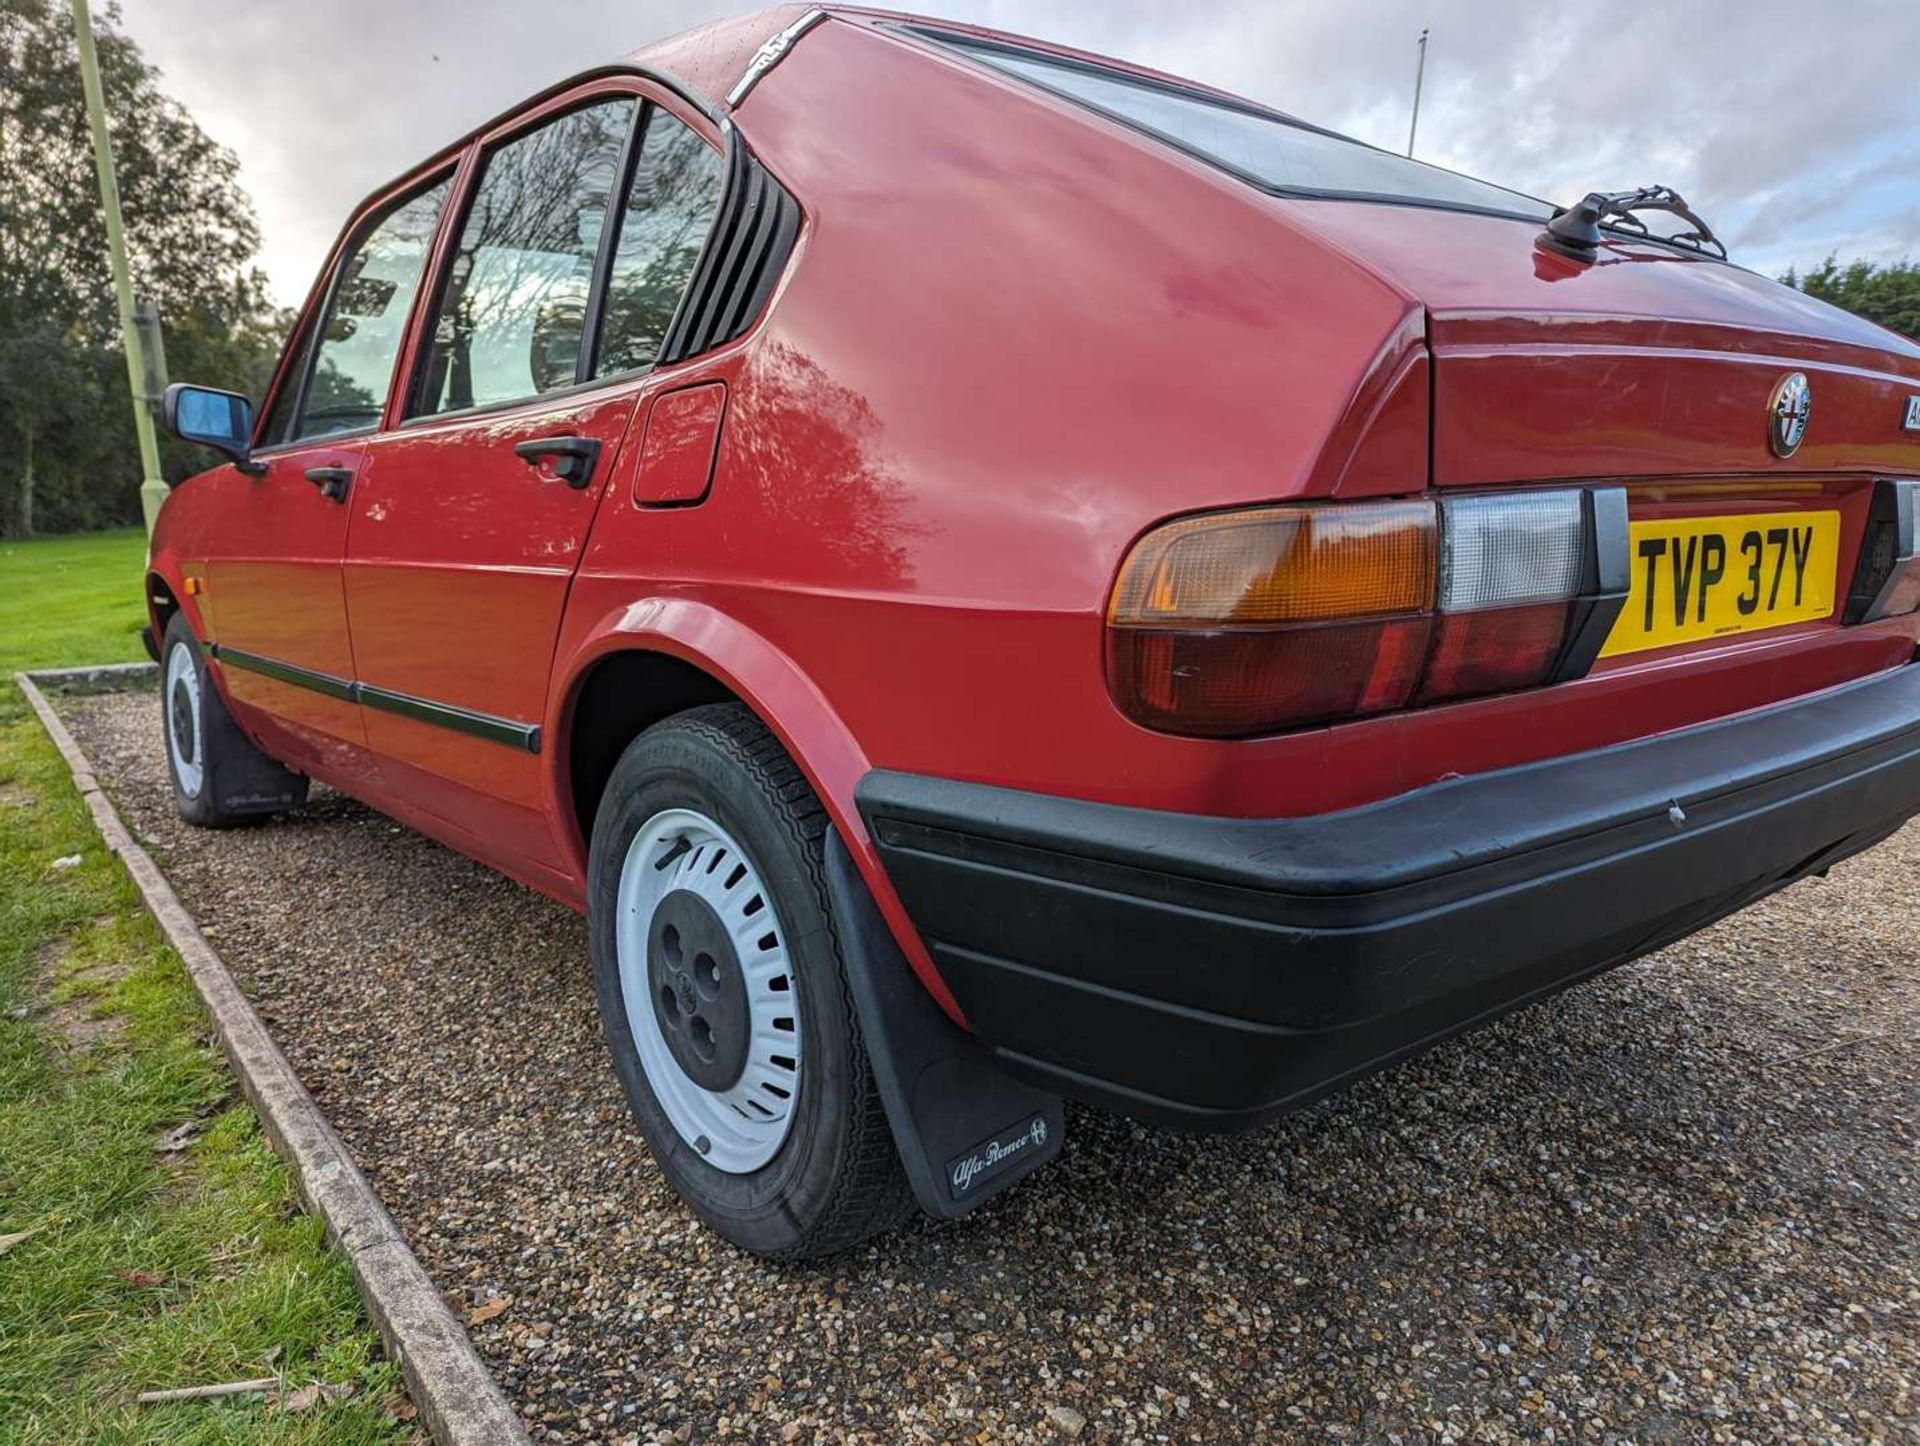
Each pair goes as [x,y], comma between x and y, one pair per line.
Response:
[1267,149]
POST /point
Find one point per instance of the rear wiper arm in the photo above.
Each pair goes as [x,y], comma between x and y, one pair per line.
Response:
[1575,230]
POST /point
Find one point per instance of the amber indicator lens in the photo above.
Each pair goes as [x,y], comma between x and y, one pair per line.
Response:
[1280,565]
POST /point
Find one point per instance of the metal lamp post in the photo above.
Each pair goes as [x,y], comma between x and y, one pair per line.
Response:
[153,488]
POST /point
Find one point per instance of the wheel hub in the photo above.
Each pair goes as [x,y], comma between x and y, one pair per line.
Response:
[699,989]
[181,715]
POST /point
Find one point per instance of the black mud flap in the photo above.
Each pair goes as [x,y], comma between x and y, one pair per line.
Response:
[256,785]
[245,782]
[965,1130]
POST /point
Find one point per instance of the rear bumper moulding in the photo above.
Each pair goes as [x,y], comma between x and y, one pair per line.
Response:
[1212,973]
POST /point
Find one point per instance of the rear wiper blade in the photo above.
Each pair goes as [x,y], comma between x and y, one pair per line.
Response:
[1575,230]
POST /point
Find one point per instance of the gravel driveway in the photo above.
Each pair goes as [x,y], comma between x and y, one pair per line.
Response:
[1678,1203]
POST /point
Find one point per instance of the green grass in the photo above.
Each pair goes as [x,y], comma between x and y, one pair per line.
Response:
[68,601]
[150,1270]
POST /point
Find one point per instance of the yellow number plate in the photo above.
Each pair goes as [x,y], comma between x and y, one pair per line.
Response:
[1707,577]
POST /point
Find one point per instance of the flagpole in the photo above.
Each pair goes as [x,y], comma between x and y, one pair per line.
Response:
[1419,76]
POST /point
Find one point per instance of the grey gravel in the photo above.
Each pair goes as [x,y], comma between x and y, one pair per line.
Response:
[1677,1203]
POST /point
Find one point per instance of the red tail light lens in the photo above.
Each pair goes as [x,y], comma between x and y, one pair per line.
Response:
[1230,684]
[1237,623]
[1495,651]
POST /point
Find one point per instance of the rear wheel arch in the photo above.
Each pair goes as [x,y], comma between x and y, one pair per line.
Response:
[652,659]
[615,700]
[682,653]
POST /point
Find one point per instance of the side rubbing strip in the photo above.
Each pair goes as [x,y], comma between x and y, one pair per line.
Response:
[746,251]
[524,736]
[306,678]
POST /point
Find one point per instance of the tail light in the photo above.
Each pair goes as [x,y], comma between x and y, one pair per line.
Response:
[1223,624]
[1235,623]
[1886,583]
[1510,568]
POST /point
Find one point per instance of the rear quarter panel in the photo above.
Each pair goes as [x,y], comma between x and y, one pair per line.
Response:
[992,365]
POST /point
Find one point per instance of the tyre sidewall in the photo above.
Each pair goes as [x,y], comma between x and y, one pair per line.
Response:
[194,808]
[682,765]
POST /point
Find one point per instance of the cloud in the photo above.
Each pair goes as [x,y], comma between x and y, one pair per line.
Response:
[1794,129]
[326,100]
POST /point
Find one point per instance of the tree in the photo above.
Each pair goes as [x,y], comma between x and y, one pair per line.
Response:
[45,386]
[1888,294]
[191,237]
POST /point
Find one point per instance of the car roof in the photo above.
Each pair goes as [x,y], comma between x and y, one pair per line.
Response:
[703,64]
[712,57]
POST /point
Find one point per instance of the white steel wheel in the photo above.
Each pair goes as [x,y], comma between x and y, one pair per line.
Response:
[708,990]
[186,729]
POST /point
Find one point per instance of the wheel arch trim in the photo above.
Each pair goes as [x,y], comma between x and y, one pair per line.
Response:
[777,690]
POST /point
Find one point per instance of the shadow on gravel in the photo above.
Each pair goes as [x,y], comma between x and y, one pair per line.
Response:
[1678,1201]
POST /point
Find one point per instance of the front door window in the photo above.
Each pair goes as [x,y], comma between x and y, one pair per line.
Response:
[354,347]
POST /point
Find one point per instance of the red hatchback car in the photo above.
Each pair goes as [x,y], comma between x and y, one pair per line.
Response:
[991,574]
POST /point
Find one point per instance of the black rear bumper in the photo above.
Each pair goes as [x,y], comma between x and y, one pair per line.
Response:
[1214,972]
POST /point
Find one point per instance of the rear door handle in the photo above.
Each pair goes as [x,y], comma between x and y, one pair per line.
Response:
[332,481]
[574,457]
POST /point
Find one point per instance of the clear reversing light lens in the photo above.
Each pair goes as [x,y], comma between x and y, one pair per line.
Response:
[1502,551]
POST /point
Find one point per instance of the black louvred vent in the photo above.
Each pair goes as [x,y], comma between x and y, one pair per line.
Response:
[751,240]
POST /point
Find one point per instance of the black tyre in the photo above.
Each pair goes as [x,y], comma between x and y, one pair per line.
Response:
[219,778]
[723,995]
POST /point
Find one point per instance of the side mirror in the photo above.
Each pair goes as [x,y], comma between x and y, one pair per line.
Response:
[220,420]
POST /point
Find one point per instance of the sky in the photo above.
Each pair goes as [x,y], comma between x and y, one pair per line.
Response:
[1792,127]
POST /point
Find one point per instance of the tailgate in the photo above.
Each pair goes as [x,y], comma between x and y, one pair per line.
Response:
[1522,398]
[1649,362]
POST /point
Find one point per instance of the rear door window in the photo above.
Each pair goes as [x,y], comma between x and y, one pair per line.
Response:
[343,385]
[513,310]
[669,210]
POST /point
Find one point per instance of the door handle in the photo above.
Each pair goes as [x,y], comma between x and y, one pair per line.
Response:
[574,457]
[332,481]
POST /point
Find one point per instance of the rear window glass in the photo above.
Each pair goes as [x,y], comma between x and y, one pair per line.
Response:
[1272,152]
[663,226]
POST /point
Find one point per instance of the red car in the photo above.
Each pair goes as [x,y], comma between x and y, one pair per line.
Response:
[992,574]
